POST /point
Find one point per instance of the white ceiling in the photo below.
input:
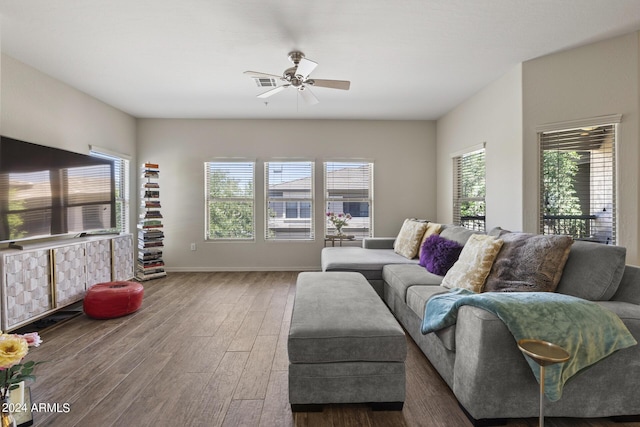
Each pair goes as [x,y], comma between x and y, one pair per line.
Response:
[406,59]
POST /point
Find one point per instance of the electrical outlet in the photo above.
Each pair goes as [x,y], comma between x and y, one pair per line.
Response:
[193,246]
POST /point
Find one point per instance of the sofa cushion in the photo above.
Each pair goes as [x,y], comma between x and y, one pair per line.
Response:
[409,238]
[368,262]
[417,297]
[401,277]
[473,266]
[439,254]
[457,233]
[593,271]
[528,263]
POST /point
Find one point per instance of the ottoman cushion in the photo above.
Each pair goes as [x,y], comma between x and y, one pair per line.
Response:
[113,299]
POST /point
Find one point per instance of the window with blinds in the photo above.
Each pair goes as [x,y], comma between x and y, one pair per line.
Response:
[121,167]
[229,200]
[578,181]
[349,190]
[469,184]
[289,200]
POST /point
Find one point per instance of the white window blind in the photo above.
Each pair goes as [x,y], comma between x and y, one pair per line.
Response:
[121,166]
[289,200]
[349,190]
[578,181]
[229,197]
[469,183]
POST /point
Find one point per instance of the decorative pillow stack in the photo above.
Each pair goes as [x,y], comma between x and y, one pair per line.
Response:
[438,254]
[529,263]
[408,241]
[472,268]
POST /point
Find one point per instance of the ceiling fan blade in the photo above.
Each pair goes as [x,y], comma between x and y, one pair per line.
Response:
[308,96]
[333,84]
[257,74]
[305,67]
[273,91]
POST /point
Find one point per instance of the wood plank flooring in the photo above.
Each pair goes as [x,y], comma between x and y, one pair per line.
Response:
[209,349]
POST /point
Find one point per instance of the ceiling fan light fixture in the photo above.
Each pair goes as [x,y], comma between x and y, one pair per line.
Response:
[298,77]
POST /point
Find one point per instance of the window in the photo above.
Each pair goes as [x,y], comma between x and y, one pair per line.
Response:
[469,177]
[578,182]
[349,190]
[229,197]
[121,167]
[289,204]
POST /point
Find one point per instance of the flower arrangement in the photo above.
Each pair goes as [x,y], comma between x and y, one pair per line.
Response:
[338,220]
[13,348]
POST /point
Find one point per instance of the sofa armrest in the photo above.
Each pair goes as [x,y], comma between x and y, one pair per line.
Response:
[378,242]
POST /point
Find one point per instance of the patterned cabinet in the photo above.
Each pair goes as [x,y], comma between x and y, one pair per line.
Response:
[70,278]
[43,278]
[98,258]
[122,255]
[26,287]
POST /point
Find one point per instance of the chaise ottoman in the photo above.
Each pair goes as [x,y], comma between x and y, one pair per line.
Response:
[344,345]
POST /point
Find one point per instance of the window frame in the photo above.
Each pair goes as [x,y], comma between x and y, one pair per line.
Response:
[123,184]
[559,137]
[478,223]
[300,164]
[251,180]
[331,201]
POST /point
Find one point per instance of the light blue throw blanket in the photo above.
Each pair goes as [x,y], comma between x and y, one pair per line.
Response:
[587,331]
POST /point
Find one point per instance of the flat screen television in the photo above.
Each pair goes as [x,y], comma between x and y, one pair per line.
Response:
[46,191]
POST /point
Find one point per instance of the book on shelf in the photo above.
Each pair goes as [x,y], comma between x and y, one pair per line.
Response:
[150,165]
[152,194]
[148,173]
[147,235]
[151,185]
[148,227]
[152,275]
[151,204]
[154,257]
[151,215]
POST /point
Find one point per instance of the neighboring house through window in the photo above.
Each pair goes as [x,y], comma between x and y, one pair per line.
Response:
[349,190]
[289,200]
[469,184]
[578,180]
[121,167]
[229,200]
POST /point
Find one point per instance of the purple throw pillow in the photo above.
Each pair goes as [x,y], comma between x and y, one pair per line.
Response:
[439,254]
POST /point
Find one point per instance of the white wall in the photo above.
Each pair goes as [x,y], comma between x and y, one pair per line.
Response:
[404,180]
[590,81]
[37,108]
[492,116]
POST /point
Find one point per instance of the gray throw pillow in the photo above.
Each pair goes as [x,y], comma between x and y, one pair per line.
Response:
[529,263]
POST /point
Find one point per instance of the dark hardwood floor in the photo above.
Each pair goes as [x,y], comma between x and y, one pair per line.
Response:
[209,349]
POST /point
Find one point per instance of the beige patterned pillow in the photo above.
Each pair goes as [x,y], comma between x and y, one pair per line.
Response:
[432,228]
[409,238]
[473,266]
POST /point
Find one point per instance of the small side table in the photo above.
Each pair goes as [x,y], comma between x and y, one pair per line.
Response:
[544,354]
[340,238]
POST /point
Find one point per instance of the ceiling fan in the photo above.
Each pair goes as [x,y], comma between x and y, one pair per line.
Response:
[298,77]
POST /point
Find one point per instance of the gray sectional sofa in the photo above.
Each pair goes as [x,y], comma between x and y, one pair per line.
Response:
[479,358]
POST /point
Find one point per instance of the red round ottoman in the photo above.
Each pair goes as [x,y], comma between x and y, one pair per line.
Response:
[113,299]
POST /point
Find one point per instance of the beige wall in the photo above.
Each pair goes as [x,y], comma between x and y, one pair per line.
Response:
[404,180]
[493,116]
[40,109]
[595,80]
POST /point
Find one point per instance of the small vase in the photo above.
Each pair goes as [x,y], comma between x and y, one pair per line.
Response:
[6,417]
[338,231]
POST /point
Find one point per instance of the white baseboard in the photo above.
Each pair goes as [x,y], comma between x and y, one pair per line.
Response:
[234,269]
